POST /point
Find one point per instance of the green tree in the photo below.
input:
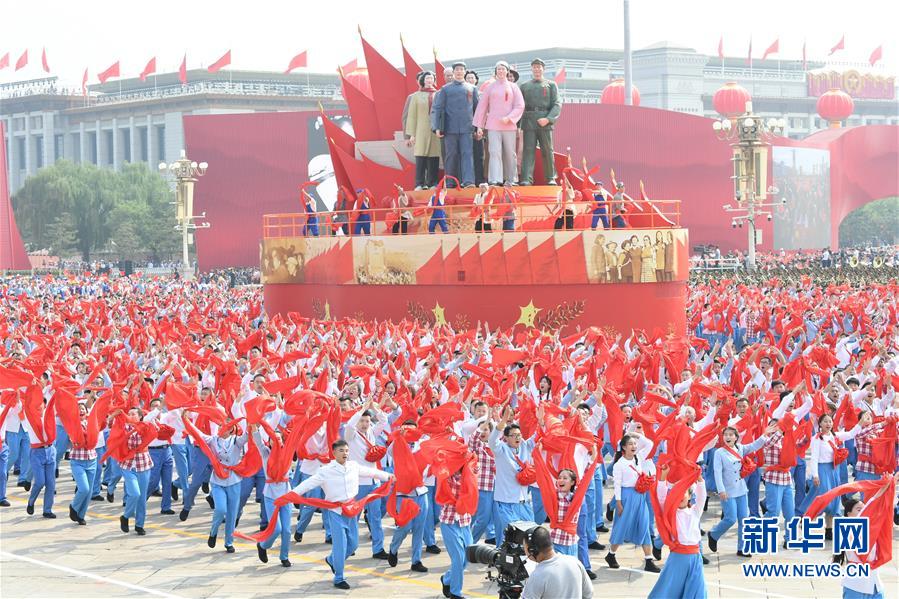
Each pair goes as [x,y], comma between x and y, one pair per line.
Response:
[78,207]
[876,224]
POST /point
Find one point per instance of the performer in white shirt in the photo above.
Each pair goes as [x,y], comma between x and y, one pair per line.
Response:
[340,481]
[682,574]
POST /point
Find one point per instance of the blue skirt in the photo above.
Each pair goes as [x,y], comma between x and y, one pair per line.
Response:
[681,578]
[850,594]
[632,526]
[828,478]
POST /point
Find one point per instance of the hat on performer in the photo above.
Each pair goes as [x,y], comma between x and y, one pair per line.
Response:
[513,75]
[538,61]
[502,63]
[459,64]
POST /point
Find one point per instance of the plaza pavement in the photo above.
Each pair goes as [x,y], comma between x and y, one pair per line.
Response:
[42,558]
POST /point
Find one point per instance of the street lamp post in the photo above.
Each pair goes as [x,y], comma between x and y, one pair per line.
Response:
[186,173]
[750,136]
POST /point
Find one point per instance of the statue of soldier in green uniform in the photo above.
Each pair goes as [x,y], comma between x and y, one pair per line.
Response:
[541,109]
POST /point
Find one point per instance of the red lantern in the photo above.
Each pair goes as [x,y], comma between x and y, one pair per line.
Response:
[613,93]
[835,106]
[359,79]
[730,100]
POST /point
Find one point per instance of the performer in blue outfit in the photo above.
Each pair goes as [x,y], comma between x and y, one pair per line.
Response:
[452,116]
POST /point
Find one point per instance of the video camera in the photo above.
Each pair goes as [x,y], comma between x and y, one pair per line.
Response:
[508,559]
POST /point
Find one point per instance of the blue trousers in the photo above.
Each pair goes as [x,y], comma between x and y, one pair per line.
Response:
[599,214]
[19,450]
[114,471]
[590,506]
[459,157]
[798,472]
[257,481]
[430,537]
[43,466]
[98,475]
[584,522]
[417,526]
[438,219]
[566,549]
[344,540]
[457,539]
[306,511]
[753,482]
[163,466]
[482,523]
[374,515]
[84,472]
[618,222]
[200,470]
[311,227]
[4,470]
[780,500]
[226,500]
[363,225]
[181,456]
[509,224]
[137,485]
[509,512]
[537,506]
[282,529]
[61,443]
[735,510]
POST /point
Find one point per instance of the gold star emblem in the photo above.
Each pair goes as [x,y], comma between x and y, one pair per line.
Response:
[327,310]
[528,314]
[439,317]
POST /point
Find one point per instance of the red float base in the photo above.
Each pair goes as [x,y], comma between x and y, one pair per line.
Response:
[623,307]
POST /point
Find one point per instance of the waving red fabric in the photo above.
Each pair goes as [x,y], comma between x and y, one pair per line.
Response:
[349,509]
[447,455]
[551,499]
[879,512]
[666,516]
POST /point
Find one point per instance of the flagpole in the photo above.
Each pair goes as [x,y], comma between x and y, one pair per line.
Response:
[628,83]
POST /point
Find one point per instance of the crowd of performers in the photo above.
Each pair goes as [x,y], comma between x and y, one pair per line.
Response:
[780,399]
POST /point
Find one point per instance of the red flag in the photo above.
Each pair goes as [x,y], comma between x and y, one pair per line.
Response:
[4,62]
[350,66]
[749,54]
[560,77]
[44,60]
[721,47]
[221,63]
[412,69]
[804,61]
[149,69]
[182,70]
[84,84]
[297,62]
[112,71]
[772,49]
[841,45]
[23,60]
[876,55]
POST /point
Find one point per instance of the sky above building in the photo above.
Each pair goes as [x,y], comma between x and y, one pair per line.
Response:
[265,34]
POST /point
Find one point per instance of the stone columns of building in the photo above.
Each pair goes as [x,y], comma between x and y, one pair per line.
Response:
[117,149]
[83,154]
[151,138]
[101,144]
[49,138]
[133,138]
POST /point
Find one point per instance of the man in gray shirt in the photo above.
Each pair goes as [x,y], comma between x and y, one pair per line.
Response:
[556,576]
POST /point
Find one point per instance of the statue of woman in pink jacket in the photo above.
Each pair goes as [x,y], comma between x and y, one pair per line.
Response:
[499,110]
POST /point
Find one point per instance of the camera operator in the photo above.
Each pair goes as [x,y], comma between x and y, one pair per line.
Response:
[556,576]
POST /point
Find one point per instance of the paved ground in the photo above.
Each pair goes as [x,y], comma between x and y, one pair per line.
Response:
[57,558]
